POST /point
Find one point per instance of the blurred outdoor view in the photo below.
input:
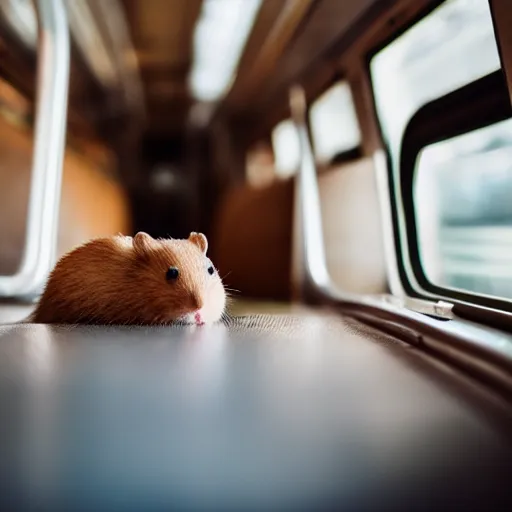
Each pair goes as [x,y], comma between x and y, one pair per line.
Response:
[463,186]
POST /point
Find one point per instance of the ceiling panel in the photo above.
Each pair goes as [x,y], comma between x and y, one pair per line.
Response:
[324,24]
[162,33]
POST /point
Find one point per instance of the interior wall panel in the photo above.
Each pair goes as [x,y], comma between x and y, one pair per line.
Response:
[253,234]
[91,203]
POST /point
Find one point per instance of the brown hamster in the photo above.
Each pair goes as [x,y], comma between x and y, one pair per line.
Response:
[139,280]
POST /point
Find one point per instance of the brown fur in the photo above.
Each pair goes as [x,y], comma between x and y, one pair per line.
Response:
[120,280]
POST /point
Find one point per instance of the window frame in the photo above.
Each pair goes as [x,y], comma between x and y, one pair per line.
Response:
[399,279]
[446,117]
[401,266]
[399,262]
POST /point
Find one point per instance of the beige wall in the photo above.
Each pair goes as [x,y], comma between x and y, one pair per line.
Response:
[251,240]
[253,234]
[352,227]
[91,204]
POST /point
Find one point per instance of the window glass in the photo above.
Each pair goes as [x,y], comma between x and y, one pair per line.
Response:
[260,169]
[451,47]
[21,16]
[334,123]
[459,219]
[463,201]
[286,148]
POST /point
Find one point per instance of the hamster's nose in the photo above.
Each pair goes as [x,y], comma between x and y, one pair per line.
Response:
[196,301]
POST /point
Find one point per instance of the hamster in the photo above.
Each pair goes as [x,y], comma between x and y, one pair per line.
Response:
[139,280]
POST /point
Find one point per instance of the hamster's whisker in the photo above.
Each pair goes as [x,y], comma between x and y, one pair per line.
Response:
[226,318]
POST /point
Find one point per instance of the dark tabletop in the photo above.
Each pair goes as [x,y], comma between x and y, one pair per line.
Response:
[270,412]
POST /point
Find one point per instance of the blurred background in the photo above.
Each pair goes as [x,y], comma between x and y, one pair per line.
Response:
[179,121]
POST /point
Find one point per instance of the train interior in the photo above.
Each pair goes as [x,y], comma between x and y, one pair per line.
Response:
[350,163]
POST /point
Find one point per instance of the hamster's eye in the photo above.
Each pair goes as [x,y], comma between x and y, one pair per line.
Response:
[172,274]
[210,268]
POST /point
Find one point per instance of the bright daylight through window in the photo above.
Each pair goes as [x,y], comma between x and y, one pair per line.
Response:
[333,121]
[463,186]
[286,148]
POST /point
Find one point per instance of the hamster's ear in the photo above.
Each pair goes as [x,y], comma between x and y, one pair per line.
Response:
[200,240]
[142,243]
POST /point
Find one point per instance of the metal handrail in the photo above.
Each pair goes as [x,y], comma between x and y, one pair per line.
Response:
[309,269]
[49,140]
[482,352]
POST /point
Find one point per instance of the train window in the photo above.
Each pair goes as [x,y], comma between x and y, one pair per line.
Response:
[463,211]
[452,46]
[333,121]
[442,105]
[21,18]
[286,148]
[260,170]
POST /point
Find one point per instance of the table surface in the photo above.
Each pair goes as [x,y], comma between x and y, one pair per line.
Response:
[297,411]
